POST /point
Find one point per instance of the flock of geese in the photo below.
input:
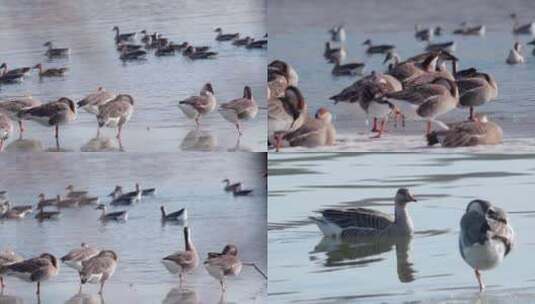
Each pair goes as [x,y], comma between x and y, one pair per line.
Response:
[417,88]
[96,266]
[485,239]
[114,110]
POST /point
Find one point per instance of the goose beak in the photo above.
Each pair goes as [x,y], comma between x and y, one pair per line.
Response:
[412,198]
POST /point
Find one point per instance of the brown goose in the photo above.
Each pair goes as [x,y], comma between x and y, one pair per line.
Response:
[16,212]
[99,269]
[116,113]
[347,69]
[59,72]
[195,107]
[24,71]
[55,113]
[6,128]
[522,29]
[475,89]
[7,257]
[224,264]
[286,114]
[333,54]
[405,71]
[279,67]
[315,132]
[241,109]
[12,108]
[378,49]
[479,131]
[183,262]
[53,52]
[37,269]
[225,37]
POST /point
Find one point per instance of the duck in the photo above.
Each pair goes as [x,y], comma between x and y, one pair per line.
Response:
[52,72]
[194,54]
[52,114]
[197,106]
[16,213]
[486,237]
[286,114]
[224,264]
[116,113]
[448,46]
[225,37]
[6,128]
[515,55]
[409,69]
[38,269]
[522,29]
[338,33]
[467,30]
[75,194]
[122,37]
[475,132]
[68,202]
[347,69]
[333,54]
[357,223]
[132,55]
[94,100]
[230,187]
[52,52]
[183,262]
[44,202]
[426,101]
[475,89]
[112,216]
[7,257]
[177,216]
[284,69]
[24,71]
[99,269]
[47,215]
[12,108]
[378,49]
[240,109]
[315,132]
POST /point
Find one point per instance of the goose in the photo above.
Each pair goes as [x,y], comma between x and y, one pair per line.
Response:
[241,109]
[177,216]
[148,192]
[524,29]
[7,257]
[52,52]
[44,202]
[230,187]
[11,78]
[136,194]
[6,128]
[123,201]
[55,113]
[164,50]
[88,200]
[426,101]
[378,49]
[486,237]
[93,101]
[515,55]
[407,70]
[333,54]
[257,44]
[122,37]
[22,208]
[14,213]
[477,30]
[338,33]
[47,215]
[12,108]
[116,113]
[479,131]
[68,202]
[428,77]
[449,46]
[475,89]
[194,107]
[425,34]
[225,37]
[347,69]
[38,269]
[315,132]
[24,71]
[112,216]
[355,223]
[52,72]
[194,54]
[146,36]
[129,46]
[241,192]
[286,114]
[77,256]
[243,41]
[183,262]
[99,269]
[279,67]
[224,264]
[132,55]
[75,194]
[178,47]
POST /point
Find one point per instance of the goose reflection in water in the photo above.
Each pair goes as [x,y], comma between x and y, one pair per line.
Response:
[197,140]
[103,144]
[367,251]
[25,145]
[82,298]
[180,295]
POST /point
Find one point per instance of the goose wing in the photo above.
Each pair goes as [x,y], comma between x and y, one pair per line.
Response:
[97,265]
[238,105]
[181,258]
[46,110]
[80,254]
[417,95]
[358,217]
[28,266]
[96,98]
[199,103]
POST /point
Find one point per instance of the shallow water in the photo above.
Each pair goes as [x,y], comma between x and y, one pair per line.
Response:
[299,39]
[215,217]
[304,268]
[156,84]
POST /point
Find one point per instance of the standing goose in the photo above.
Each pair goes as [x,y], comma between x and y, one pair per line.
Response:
[195,107]
[378,49]
[7,257]
[37,269]
[475,89]
[524,29]
[355,223]
[76,257]
[116,113]
[338,33]
[515,55]
[286,114]
[183,262]
[347,69]
[52,52]
[286,70]
[240,109]
[12,108]
[177,216]
[486,237]
[112,216]
[224,264]
[407,70]
[52,72]
[125,37]
[93,101]
[479,131]
[333,54]
[225,37]
[6,128]
[99,268]
[315,132]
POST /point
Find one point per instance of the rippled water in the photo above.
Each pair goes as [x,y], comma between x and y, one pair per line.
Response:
[186,180]
[304,268]
[299,39]
[156,84]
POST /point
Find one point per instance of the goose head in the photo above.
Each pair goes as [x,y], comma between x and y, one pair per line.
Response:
[51,258]
[230,250]
[69,103]
[368,42]
[48,44]
[41,196]
[486,209]
[207,89]
[247,93]
[324,115]
[403,197]
[115,28]
[218,30]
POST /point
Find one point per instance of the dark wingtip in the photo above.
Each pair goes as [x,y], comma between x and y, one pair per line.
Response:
[432,138]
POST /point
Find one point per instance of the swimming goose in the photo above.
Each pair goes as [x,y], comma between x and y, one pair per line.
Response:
[99,268]
[338,33]
[257,44]
[88,200]
[47,215]
[52,52]
[515,55]
[14,213]
[243,41]
[183,262]
[425,34]
[407,70]
[333,54]
[241,192]
[37,269]
[116,113]
[132,55]
[55,113]
[282,68]
[75,194]
[129,46]
[177,216]
[93,101]
[44,202]
[224,264]
[77,256]
[163,49]
[355,223]
[7,257]
[225,37]
[135,195]
[24,71]
[148,192]
[426,101]
[347,69]
[477,30]
[486,237]
[286,114]
[195,107]
[518,29]
[122,37]
[443,46]
[12,108]
[67,202]
[112,216]
[315,132]
[231,187]
[194,54]
[479,131]
[475,89]
[241,109]
[52,72]
[6,128]
[11,78]
[378,49]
